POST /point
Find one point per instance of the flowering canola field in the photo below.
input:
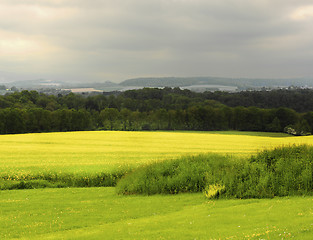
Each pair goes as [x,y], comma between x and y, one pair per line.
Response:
[107,150]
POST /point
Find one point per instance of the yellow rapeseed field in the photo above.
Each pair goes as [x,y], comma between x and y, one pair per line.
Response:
[105,150]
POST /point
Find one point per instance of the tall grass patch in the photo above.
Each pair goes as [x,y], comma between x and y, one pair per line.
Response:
[289,170]
[187,174]
[61,179]
[283,171]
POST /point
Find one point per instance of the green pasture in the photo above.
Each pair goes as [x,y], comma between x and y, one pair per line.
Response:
[98,213]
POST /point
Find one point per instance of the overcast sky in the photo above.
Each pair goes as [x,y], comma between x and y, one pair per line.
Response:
[101,40]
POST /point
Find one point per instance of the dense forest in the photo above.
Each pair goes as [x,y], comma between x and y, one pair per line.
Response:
[159,109]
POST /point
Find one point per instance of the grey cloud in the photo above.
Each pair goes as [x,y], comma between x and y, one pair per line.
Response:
[158,37]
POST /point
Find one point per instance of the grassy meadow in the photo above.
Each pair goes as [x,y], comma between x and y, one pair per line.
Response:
[100,213]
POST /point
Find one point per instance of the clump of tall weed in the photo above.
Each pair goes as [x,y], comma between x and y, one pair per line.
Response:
[214,191]
[283,171]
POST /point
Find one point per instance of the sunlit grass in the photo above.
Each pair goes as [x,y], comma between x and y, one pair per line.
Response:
[98,213]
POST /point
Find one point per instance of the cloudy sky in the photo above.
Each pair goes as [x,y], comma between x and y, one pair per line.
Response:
[101,40]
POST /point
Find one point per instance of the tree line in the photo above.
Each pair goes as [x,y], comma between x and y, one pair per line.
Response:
[145,109]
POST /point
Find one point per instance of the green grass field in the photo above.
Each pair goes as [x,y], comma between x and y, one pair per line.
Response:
[99,213]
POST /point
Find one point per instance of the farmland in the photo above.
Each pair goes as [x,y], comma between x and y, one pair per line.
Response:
[106,150]
[80,154]
[97,213]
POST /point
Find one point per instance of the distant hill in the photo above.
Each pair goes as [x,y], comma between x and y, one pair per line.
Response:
[240,83]
[38,83]
[197,84]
